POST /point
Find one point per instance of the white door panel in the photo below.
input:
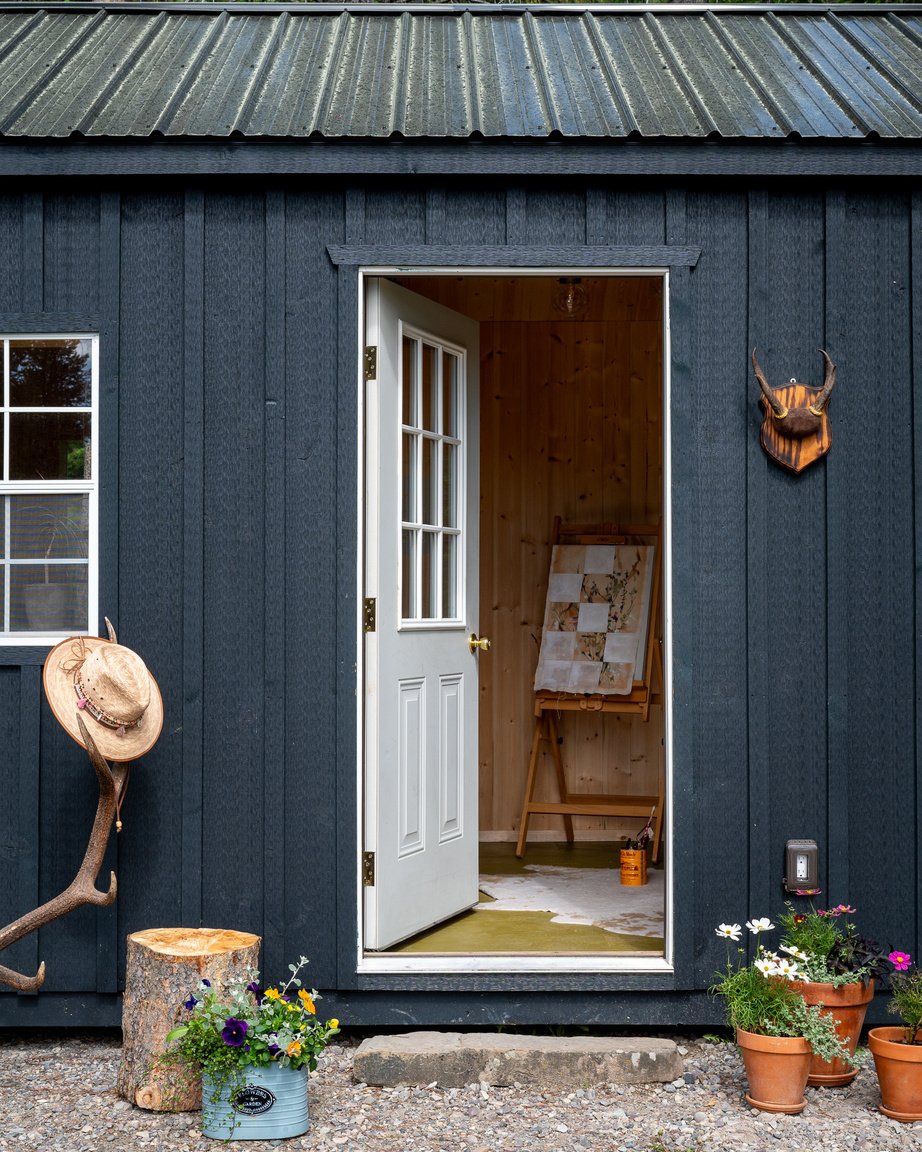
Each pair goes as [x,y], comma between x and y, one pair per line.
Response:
[421,537]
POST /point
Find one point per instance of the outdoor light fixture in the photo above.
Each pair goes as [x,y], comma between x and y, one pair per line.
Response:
[801,860]
[570,297]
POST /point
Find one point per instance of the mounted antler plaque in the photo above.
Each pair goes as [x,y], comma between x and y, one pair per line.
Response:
[795,429]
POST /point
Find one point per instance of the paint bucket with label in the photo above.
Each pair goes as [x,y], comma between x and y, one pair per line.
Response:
[633,866]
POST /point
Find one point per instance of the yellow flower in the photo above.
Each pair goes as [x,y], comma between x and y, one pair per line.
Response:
[306,1000]
[293,1008]
[334,1023]
[272,994]
[294,1048]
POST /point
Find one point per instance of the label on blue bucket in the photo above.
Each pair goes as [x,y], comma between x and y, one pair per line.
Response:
[252,1100]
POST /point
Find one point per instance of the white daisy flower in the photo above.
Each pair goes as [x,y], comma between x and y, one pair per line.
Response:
[765,966]
[787,968]
[731,931]
[763,924]
[792,950]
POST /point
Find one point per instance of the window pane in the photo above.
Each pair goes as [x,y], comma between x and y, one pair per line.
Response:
[410,387]
[49,446]
[430,481]
[408,575]
[449,394]
[50,373]
[430,576]
[49,527]
[449,577]
[450,485]
[48,597]
[410,449]
[430,387]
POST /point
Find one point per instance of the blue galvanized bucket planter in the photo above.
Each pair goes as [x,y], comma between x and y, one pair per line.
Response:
[262,1104]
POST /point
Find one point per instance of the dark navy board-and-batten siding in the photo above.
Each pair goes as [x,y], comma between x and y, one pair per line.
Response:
[228,457]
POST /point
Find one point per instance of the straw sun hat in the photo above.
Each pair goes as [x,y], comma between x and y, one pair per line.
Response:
[110,687]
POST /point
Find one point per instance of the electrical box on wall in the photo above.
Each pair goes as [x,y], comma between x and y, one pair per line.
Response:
[802,869]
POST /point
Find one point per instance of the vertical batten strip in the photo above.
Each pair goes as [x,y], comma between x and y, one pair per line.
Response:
[107,462]
[192,830]
[762,868]
[678,537]
[915,304]
[33,252]
[25,876]
[274,582]
[835,868]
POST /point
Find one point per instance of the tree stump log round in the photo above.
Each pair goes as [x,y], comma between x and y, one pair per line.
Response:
[165,966]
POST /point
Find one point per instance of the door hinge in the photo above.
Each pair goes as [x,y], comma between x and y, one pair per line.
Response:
[368,869]
[371,362]
[369,613]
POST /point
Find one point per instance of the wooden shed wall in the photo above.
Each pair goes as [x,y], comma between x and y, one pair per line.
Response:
[228,459]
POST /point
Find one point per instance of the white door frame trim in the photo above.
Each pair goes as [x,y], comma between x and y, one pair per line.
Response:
[518,962]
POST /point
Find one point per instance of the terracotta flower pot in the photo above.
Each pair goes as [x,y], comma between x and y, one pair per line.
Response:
[899,1070]
[776,1068]
[847,1005]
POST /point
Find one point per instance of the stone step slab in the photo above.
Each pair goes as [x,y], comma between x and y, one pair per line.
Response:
[455,1059]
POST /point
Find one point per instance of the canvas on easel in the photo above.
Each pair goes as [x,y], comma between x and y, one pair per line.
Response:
[599,653]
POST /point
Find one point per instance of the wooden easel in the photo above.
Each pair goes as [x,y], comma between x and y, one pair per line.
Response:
[550,706]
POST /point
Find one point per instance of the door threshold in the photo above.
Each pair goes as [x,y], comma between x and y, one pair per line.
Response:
[517,962]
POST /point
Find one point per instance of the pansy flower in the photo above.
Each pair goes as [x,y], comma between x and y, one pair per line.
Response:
[272,994]
[294,1048]
[190,1003]
[307,1001]
[254,987]
[234,1032]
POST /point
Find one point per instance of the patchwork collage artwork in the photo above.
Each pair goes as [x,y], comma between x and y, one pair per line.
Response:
[596,618]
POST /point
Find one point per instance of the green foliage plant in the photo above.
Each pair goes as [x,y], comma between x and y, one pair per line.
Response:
[906,1002]
[249,1027]
[829,947]
[761,997]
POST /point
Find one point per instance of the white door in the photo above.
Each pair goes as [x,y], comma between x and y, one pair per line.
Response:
[421,537]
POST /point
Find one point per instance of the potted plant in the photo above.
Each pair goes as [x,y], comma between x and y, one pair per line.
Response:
[897,1051]
[838,968]
[253,1048]
[776,1030]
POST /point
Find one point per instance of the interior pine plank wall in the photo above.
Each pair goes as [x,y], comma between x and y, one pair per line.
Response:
[571,425]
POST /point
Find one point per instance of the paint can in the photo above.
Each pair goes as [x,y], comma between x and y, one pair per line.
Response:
[633,866]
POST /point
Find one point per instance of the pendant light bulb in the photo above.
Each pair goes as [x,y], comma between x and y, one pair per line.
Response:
[570,297]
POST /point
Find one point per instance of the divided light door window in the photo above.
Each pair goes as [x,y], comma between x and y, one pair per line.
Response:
[48,487]
[431,398]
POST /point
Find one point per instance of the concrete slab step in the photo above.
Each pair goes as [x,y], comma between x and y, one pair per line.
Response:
[454,1059]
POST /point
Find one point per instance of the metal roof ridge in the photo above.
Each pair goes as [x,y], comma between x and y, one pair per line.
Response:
[487,7]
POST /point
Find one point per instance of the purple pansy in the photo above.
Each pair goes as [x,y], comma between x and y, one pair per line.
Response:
[234,1032]
[207,983]
[254,987]
[190,1003]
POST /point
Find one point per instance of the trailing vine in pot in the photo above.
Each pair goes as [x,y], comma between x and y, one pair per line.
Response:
[897,1051]
[838,971]
[254,1049]
[776,1030]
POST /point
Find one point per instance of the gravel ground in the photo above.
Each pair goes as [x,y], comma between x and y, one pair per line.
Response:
[59,1093]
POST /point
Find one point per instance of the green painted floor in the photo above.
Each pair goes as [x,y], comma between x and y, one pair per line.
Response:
[484,932]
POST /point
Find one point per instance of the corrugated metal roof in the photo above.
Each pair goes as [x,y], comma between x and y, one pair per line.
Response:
[436,72]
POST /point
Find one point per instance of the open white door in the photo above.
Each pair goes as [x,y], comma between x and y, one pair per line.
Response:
[421,544]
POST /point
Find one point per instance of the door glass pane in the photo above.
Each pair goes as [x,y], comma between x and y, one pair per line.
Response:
[48,597]
[409,403]
[430,481]
[449,394]
[408,575]
[430,387]
[50,446]
[430,606]
[449,576]
[409,464]
[50,373]
[52,527]
[450,485]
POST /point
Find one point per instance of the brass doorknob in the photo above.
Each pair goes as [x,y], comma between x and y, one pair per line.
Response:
[473,643]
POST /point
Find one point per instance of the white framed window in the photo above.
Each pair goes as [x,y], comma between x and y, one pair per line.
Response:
[48,486]
[431,470]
